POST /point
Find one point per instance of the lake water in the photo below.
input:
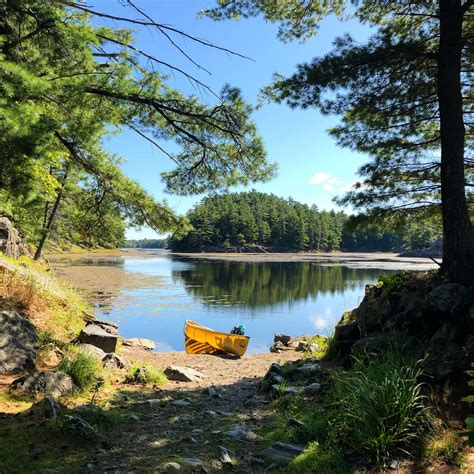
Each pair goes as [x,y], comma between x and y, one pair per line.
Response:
[295,298]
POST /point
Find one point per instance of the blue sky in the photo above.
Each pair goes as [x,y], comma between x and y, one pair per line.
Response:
[312,169]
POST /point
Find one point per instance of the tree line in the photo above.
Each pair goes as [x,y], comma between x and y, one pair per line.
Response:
[255,218]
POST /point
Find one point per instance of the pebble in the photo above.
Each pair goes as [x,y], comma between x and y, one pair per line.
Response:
[181,403]
[170,466]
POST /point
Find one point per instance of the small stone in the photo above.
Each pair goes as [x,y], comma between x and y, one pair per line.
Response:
[283,451]
[181,403]
[308,369]
[48,407]
[170,466]
[213,392]
[79,426]
[193,462]
[283,338]
[134,418]
[183,374]
[113,361]
[225,413]
[276,379]
[225,456]
[210,413]
[289,390]
[312,389]
[197,431]
[275,368]
[241,432]
[147,344]
[280,347]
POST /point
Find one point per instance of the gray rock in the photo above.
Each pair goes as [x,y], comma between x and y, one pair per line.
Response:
[92,350]
[280,347]
[283,451]
[79,427]
[134,418]
[283,338]
[181,403]
[275,368]
[10,240]
[18,343]
[54,384]
[147,344]
[48,407]
[193,462]
[275,379]
[226,456]
[312,389]
[308,369]
[289,390]
[215,392]
[113,361]
[148,405]
[88,408]
[241,432]
[107,326]
[98,337]
[183,374]
[170,466]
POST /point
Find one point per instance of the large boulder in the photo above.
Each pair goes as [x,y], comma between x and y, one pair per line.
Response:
[18,343]
[54,384]
[99,337]
[92,350]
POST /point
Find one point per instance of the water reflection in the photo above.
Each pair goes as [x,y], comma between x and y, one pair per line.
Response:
[259,284]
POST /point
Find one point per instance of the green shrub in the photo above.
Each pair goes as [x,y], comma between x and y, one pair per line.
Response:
[376,410]
[145,374]
[84,369]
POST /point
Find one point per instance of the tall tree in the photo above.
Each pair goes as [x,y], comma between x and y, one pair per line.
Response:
[71,74]
[404,97]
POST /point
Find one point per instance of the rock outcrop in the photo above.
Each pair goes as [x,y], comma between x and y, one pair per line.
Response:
[53,384]
[147,344]
[18,343]
[425,314]
[10,240]
[96,335]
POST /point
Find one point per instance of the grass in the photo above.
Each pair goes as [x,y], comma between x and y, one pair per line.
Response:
[145,374]
[376,411]
[445,446]
[84,369]
[326,348]
[54,307]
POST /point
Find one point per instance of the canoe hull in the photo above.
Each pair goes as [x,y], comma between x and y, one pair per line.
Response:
[202,340]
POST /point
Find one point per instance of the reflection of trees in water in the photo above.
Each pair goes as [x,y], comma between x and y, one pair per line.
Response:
[260,284]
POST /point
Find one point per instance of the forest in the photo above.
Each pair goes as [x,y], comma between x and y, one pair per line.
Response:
[233,220]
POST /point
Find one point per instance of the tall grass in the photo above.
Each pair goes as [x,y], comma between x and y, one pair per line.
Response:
[375,412]
[53,305]
[84,369]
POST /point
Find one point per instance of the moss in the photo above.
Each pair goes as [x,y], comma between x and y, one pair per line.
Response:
[145,374]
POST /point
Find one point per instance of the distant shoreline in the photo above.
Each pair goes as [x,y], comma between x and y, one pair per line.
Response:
[380,260]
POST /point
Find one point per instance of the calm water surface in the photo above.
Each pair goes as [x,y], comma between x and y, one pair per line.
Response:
[267,297]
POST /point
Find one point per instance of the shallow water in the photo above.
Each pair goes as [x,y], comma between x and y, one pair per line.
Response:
[266,297]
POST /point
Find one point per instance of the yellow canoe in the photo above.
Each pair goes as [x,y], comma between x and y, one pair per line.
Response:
[202,340]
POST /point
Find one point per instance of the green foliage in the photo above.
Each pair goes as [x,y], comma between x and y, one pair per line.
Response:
[263,219]
[145,374]
[445,446]
[69,79]
[327,347]
[320,459]
[470,399]
[84,369]
[376,410]
[146,243]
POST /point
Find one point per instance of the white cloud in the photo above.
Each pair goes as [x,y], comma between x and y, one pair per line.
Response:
[328,187]
[323,177]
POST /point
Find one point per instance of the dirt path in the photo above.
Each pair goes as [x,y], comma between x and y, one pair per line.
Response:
[160,431]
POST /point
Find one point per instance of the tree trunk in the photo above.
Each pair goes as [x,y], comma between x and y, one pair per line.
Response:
[458,250]
[49,224]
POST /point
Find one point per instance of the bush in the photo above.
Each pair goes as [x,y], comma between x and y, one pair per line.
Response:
[84,369]
[145,374]
[376,411]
